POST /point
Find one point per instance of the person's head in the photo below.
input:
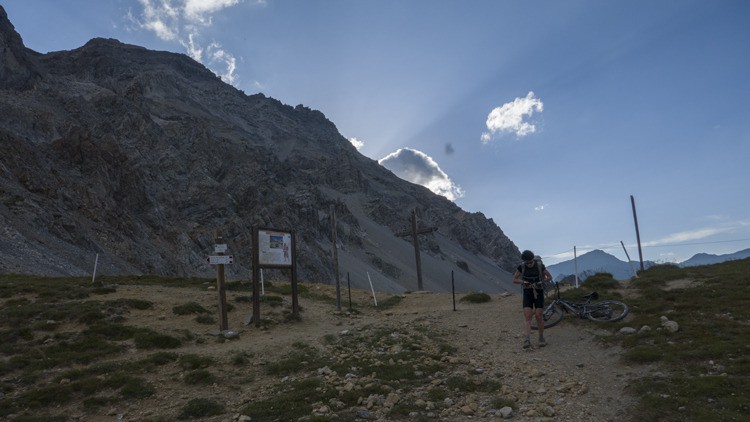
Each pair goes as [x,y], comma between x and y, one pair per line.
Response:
[527,257]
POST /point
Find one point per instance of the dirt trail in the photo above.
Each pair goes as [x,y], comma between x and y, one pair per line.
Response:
[572,379]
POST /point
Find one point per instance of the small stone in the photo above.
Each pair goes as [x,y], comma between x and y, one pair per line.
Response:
[506,412]
[392,399]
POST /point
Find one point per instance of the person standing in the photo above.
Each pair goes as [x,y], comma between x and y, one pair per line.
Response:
[532,275]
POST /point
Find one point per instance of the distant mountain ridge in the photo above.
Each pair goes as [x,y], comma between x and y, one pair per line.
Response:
[598,261]
[708,259]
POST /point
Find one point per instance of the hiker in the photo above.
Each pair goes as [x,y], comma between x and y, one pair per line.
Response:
[532,275]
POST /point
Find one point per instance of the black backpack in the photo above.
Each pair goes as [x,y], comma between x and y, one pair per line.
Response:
[539,268]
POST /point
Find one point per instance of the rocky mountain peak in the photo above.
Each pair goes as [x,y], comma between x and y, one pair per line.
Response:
[139,156]
[16,70]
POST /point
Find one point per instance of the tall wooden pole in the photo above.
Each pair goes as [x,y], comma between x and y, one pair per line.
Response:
[256,277]
[637,233]
[575,263]
[295,294]
[416,249]
[335,258]
[223,323]
[414,233]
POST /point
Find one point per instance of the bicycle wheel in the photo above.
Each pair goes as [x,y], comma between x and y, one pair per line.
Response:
[552,315]
[607,311]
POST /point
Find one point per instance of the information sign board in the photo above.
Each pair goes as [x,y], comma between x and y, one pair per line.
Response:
[274,248]
[220,259]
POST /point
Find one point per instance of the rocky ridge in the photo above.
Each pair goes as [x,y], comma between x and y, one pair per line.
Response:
[133,158]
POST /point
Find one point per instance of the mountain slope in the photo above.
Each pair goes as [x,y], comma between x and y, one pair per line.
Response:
[596,261]
[708,259]
[138,156]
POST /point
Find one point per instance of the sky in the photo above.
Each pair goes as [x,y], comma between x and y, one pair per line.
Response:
[551,117]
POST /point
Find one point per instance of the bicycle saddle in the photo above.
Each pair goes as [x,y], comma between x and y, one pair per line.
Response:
[591,296]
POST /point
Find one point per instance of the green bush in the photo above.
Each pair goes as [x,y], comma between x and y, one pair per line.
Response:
[205,319]
[200,408]
[148,339]
[189,308]
[191,361]
[476,297]
[199,377]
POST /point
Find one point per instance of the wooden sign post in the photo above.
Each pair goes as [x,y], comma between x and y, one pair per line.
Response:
[219,260]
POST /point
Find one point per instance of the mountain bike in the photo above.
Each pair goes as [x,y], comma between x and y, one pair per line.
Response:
[603,311]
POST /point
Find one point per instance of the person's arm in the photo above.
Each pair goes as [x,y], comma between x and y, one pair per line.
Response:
[517,279]
[547,276]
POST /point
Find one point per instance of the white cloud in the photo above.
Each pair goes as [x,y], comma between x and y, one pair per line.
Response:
[197,10]
[690,235]
[511,117]
[223,58]
[417,167]
[183,21]
[160,17]
[357,143]
[541,207]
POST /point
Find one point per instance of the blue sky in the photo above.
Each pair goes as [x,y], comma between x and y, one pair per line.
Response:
[546,116]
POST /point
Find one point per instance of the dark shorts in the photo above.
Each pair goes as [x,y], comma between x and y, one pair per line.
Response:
[528,299]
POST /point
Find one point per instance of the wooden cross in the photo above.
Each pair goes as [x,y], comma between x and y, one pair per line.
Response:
[413,233]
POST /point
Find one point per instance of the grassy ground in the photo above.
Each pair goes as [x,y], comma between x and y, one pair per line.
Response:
[62,340]
[703,369]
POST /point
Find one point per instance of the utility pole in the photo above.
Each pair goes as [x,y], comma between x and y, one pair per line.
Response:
[575,263]
[335,258]
[414,233]
[637,233]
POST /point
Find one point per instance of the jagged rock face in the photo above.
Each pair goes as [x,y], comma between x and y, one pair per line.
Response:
[139,156]
[16,70]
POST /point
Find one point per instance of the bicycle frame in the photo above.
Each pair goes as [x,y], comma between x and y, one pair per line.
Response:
[590,308]
[577,308]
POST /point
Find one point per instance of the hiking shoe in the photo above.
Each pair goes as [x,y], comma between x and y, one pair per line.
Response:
[542,342]
[526,344]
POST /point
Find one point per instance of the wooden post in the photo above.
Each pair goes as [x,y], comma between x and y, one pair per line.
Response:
[453,290]
[93,276]
[575,263]
[629,262]
[414,232]
[256,276]
[223,323]
[349,287]
[335,258]
[295,299]
[637,233]
[416,249]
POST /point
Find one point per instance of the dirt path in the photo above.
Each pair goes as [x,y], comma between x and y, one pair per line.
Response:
[574,376]
[572,379]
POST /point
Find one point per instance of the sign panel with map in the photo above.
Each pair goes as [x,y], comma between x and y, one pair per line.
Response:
[274,248]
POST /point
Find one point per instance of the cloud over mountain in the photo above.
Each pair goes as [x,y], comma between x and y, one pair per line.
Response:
[183,21]
[417,167]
